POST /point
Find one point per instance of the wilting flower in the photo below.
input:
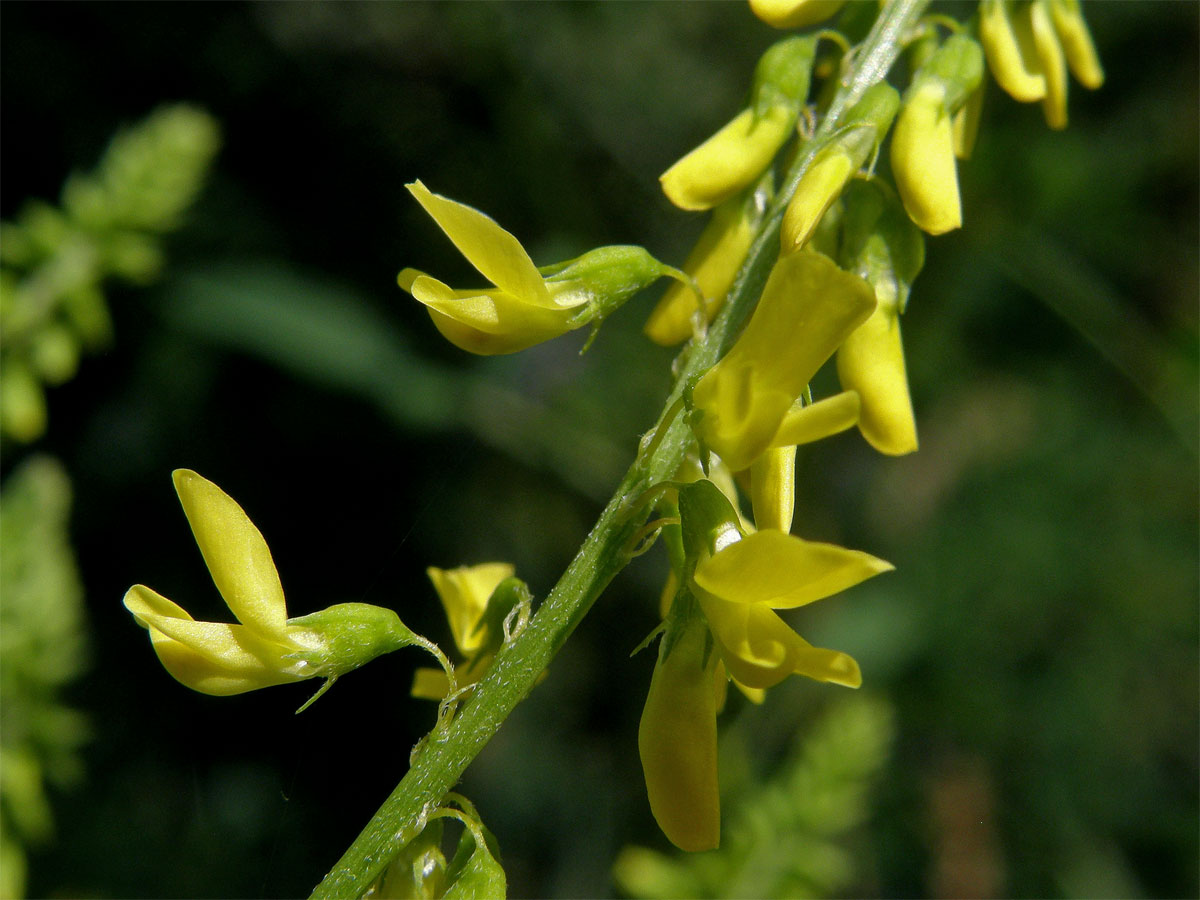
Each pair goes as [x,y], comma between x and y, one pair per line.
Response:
[677,741]
[526,305]
[267,647]
[808,306]
[736,156]
[465,593]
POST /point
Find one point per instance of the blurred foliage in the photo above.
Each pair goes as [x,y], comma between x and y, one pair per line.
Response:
[784,837]
[1038,641]
[53,261]
[43,640]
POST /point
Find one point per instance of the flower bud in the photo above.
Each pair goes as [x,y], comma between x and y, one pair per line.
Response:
[677,741]
[1077,42]
[1053,64]
[1011,54]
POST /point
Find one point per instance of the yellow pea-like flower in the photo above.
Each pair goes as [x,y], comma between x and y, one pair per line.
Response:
[807,309]
[741,584]
[677,742]
[266,647]
[526,305]
[713,263]
[819,187]
[795,13]
[729,161]
[464,593]
[736,156]
[923,160]
[1011,55]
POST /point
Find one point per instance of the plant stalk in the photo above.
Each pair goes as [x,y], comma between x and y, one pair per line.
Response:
[440,763]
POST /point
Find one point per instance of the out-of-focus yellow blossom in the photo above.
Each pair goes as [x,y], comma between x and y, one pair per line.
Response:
[1053,63]
[1077,42]
[736,156]
[527,305]
[713,263]
[1011,55]
[742,583]
[826,176]
[923,141]
[677,740]
[464,593]
[808,306]
[966,122]
[267,647]
[1030,48]
[794,13]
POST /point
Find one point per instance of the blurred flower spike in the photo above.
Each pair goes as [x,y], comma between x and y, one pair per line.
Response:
[736,156]
[808,307]
[527,305]
[477,600]
[1031,45]
[266,647]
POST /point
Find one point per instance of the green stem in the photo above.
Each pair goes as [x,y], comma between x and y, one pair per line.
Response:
[449,750]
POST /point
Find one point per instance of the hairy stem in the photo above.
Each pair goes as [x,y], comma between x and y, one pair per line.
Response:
[439,765]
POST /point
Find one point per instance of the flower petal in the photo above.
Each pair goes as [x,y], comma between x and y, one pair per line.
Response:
[808,306]
[760,650]
[729,161]
[923,160]
[773,488]
[464,593]
[677,743]
[871,363]
[236,555]
[496,254]
[210,657]
[781,571]
[487,322]
[805,424]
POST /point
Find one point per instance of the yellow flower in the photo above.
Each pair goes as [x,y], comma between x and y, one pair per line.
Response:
[1077,42]
[831,169]
[871,363]
[464,593]
[741,584]
[526,305]
[808,306]
[923,160]
[713,263]
[1053,63]
[734,158]
[794,13]
[267,647]
[1011,55]
[677,742]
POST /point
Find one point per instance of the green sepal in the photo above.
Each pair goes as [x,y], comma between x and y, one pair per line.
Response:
[419,871]
[475,872]
[880,243]
[705,515]
[957,66]
[607,277]
[783,74]
[351,635]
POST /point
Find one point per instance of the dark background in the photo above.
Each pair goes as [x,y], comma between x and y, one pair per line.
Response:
[1039,635]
